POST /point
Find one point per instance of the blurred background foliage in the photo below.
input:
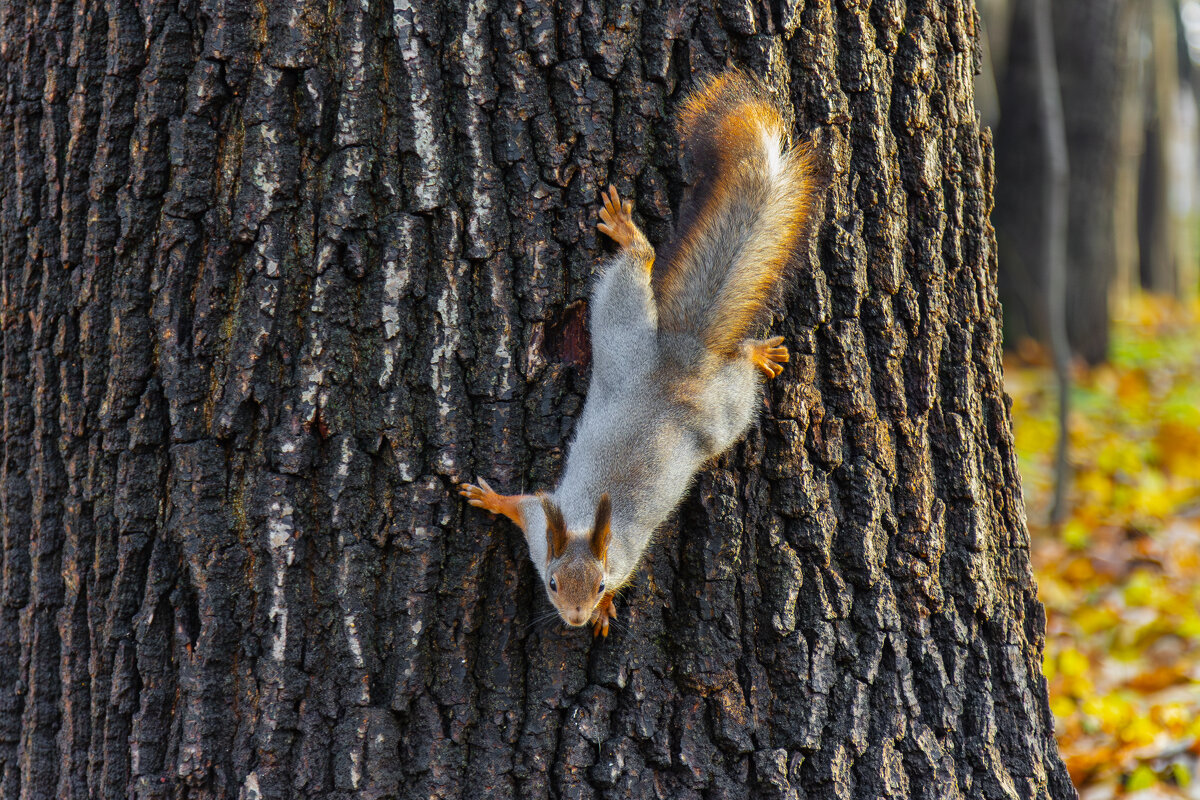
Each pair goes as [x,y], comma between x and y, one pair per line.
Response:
[1119,568]
[1121,576]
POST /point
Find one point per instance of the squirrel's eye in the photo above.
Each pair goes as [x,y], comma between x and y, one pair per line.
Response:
[553,584]
[601,587]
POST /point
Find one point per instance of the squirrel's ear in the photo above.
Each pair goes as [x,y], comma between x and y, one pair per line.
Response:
[602,529]
[556,528]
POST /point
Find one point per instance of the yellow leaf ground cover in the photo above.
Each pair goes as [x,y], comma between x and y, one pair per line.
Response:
[1121,578]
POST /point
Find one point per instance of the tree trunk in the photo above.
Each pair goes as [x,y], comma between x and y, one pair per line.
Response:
[1158,255]
[995,20]
[1021,163]
[1091,37]
[276,276]
[1055,186]
[1131,142]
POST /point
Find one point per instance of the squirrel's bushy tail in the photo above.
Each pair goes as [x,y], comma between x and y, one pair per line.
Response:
[748,212]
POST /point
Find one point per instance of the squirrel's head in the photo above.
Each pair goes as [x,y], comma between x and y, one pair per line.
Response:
[576,562]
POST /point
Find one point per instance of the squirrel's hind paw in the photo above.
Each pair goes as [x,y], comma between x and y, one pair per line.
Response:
[768,354]
[605,611]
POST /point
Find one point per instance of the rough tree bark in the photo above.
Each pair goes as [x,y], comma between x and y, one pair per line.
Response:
[275,276]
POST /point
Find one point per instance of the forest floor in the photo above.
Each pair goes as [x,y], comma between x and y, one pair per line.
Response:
[1121,577]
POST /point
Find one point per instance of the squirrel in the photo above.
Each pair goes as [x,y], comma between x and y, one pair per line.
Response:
[675,376]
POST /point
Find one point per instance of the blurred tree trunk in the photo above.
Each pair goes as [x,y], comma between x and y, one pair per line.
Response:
[1021,166]
[1055,186]
[273,284]
[1091,37]
[1158,256]
[1132,122]
[1185,170]
[995,17]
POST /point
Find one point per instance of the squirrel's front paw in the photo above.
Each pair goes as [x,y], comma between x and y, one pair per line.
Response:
[483,496]
[605,610]
[616,219]
[768,354]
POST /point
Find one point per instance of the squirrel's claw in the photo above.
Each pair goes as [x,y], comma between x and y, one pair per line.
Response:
[616,218]
[605,611]
[475,495]
[487,498]
[481,496]
[768,354]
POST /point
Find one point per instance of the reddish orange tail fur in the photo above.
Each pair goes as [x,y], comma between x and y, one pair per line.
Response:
[745,218]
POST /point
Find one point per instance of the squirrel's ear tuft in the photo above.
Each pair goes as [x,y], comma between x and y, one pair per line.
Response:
[556,528]
[602,529]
